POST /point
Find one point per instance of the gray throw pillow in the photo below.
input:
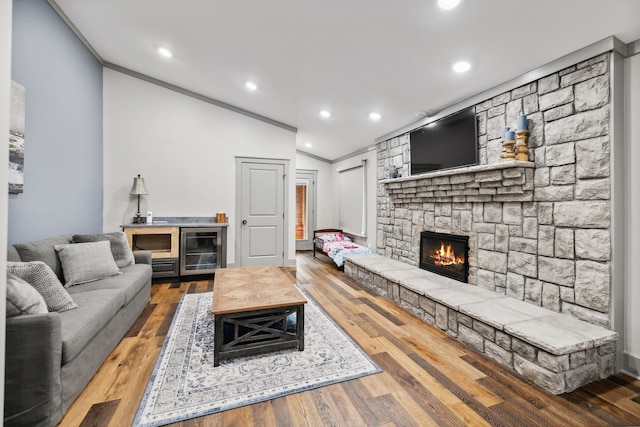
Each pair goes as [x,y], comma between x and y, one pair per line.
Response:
[22,298]
[119,246]
[41,276]
[86,262]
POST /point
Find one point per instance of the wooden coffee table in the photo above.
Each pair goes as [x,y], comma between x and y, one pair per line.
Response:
[253,308]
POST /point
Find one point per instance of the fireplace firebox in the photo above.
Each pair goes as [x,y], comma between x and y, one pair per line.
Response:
[445,254]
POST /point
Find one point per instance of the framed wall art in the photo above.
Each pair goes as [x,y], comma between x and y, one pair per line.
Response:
[16,139]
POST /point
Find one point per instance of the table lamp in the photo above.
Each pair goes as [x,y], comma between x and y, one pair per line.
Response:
[138,189]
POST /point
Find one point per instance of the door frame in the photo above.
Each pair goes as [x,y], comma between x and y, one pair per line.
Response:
[313,198]
[238,220]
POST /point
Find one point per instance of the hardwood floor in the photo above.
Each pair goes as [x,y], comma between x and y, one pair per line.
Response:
[428,378]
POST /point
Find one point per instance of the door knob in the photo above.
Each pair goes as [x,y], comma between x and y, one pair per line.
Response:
[244,222]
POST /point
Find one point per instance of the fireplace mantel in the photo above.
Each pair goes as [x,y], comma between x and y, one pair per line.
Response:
[505,181]
[463,171]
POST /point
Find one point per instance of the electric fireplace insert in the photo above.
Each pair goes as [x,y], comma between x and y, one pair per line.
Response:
[445,254]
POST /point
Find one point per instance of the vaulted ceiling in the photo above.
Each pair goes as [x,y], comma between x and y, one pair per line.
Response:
[349,57]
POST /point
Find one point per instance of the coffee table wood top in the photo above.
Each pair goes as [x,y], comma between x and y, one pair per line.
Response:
[253,288]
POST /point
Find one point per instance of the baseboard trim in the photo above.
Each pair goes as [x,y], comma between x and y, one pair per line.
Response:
[290,263]
[631,365]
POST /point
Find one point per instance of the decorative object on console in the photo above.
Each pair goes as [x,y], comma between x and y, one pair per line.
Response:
[221,217]
[139,188]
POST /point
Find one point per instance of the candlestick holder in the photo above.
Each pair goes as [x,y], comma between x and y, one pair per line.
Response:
[521,149]
[507,150]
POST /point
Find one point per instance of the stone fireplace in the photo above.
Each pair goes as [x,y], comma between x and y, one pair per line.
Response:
[539,231]
[445,254]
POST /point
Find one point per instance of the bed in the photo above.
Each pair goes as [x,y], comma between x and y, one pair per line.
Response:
[333,243]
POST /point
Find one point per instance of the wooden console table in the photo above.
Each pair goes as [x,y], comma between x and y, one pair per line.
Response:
[253,309]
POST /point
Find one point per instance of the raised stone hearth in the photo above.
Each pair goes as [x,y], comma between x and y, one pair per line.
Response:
[539,231]
[553,351]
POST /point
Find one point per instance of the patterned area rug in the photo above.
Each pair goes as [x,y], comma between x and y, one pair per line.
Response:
[184,384]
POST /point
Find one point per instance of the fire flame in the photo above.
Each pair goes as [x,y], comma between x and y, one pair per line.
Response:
[445,256]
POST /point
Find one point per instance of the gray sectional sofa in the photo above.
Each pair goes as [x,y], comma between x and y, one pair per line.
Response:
[51,357]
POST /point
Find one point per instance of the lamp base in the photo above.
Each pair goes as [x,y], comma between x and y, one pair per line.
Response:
[139,219]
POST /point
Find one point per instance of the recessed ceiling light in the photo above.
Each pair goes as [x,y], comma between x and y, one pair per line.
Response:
[325,114]
[308,144]
[165,52]
[251,86]
[448,4]
[375,116]
[461,67]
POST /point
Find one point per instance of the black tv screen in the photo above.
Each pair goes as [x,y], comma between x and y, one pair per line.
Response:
[445,143]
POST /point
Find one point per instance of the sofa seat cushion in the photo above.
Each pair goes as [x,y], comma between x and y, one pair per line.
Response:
[95,310]
[131,281]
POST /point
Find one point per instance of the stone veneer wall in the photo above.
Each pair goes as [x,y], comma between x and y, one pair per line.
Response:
[550,246]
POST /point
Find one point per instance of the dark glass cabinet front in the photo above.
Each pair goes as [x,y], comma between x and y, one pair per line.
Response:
[202,250]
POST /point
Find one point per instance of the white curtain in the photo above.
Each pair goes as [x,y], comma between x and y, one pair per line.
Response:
[352,200]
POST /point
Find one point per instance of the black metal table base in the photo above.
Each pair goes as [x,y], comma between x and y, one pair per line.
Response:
[258,331]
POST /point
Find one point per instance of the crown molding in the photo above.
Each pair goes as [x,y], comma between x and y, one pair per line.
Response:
[313,156]
[162,83]
[610,44]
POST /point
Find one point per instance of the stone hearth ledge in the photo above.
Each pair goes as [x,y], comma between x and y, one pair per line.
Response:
[554,351]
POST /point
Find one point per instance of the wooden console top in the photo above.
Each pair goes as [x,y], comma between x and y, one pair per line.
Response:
[253,288]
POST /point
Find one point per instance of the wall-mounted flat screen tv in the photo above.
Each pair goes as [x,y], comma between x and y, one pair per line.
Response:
[445,143]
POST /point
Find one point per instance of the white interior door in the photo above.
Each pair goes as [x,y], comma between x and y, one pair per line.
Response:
[305,209]
[262,213]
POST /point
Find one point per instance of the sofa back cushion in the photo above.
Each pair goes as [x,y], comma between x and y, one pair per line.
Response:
[12,254]
[42,250]
[119,246]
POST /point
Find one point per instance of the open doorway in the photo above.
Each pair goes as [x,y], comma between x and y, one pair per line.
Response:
[305,208]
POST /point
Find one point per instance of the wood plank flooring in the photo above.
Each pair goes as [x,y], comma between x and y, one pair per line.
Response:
[428,378]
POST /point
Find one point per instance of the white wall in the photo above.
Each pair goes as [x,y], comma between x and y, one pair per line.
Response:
[372,186]
[632,228]
[185,149]
[5,89]
[326,212]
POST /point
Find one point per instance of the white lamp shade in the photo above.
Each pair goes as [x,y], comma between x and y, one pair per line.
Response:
[139,186]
